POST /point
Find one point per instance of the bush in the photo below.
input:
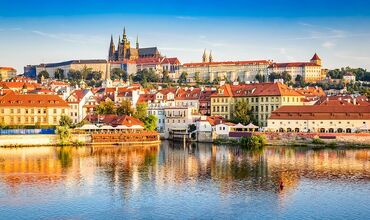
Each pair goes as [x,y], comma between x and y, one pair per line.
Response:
[254,142]
[317,141]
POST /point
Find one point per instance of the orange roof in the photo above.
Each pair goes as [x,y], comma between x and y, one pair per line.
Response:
[311,91]
[189,94]
[292,64]
[32,100]
[114,120]
[321,112]
[19,85]
[8,68]
[146,97]
[252,62]
[257,89]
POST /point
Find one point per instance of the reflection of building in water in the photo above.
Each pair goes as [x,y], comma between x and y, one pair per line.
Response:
[25,165]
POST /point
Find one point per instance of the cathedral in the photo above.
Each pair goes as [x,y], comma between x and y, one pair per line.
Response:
[125,52]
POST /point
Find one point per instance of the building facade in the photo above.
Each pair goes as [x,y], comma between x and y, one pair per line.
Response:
[32,109]
[262,98]
[320,118]
[7,73]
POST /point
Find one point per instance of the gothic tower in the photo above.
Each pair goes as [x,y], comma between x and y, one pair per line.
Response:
[112,49]
[205,58]
[210,57]
[316,59]
[137,42]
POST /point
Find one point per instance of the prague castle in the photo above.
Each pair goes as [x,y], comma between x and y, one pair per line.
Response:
[125,52]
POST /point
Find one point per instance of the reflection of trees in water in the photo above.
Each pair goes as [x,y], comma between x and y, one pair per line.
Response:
[65,156]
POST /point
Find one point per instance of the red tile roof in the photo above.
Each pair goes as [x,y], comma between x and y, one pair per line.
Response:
[257,89]
[32,100]
[144,98]
[292,64]
[252,62]
[114,120]
[321,112]
[8,68]
[189,94]
[19,85]
[315,57]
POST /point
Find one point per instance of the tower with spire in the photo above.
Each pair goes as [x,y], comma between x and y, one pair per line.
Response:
[316,59]
[210,57]
[205,57]
[125,52]
[112,49]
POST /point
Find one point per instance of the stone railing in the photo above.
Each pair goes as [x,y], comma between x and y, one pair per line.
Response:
[146,136]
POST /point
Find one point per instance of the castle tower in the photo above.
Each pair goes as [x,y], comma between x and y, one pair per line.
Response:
[210,57]
[112,49]
[137,42]
[316,59]
[205,58]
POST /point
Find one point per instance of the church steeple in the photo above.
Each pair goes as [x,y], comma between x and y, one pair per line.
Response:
[210,57]
[112,49]
[204,58]
[137,42]
[124,33]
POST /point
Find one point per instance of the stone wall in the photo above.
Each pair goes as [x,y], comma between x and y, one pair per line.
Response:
[39,139]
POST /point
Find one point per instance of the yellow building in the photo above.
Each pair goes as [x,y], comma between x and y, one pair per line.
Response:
[31,109]
[7,73]
[263,98]
[320,118]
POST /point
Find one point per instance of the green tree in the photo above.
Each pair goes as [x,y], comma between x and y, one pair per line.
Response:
[183,78]
[166,77]
[118,73]
[150,123]
[216,80]
[148,75]
[241,113]
[125,108]
[85,72]
[44,74]
[197,78]
[65,120]
[59,74]
[141,111]
[259,78]
[105,107]
[64,135]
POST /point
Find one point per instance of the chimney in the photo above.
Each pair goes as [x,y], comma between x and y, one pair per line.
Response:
[354,101]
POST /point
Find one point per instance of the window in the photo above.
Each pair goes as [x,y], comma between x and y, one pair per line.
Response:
[18,111]
[55,111]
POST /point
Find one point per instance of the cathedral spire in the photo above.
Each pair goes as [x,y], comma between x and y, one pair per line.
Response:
[210,57]
[137,41]
[112,49]
[124,33]
[204,58]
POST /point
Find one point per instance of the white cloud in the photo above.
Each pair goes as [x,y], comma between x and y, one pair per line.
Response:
[328,44]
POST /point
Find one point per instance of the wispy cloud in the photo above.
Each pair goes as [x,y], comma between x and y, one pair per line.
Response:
[181,49]
[361,58]
[328,44]
[68,37]
[186,18]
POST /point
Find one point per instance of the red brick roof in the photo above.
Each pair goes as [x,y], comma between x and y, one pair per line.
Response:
[321,112]
[292,64]
[257,89]
[32,100]
[315,57]
[144,98]
[114,120]
[252,62]
[8,68]
[189,94]
[19,85]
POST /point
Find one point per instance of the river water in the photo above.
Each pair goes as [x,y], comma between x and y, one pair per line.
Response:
[173,181]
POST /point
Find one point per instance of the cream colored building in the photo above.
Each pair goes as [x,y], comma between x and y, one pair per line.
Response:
[31,109]
[310,71]
[243,71]
[96,65]
[320,118]
[7,73]
[263,98]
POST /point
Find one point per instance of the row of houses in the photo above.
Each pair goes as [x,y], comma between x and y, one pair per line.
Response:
[274,106]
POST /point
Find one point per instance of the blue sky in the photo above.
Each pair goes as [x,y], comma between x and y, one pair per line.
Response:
[32,32]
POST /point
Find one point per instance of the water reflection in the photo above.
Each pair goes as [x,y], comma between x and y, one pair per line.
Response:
[129,177]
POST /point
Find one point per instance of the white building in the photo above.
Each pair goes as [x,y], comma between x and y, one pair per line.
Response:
[76,102]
